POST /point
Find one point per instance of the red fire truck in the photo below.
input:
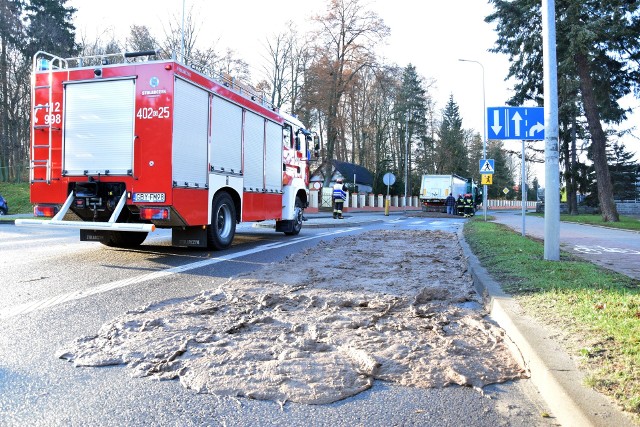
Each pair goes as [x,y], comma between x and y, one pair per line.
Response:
[124,144]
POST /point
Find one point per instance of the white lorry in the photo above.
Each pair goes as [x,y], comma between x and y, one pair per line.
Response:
[434,189]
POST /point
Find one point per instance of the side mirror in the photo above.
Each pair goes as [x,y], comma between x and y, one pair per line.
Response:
[316,146]
[298,142]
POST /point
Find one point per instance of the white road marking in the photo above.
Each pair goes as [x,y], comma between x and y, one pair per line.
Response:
[77,295]
[598,250]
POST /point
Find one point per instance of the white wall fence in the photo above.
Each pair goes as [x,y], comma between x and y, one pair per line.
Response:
[628,207]
[361,200]
[371,200]
[509,204]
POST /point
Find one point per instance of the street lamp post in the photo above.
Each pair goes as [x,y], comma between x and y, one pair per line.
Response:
[182,36]
[406,157]
[484,137]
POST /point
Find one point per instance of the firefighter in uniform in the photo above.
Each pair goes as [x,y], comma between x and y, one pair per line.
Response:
[339,196]
[468,205]
[460,205]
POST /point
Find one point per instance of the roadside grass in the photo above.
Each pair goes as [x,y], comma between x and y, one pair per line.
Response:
[625,223]
[595,311]
[17,196]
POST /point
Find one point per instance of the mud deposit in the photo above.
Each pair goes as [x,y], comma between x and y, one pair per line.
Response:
[320,326]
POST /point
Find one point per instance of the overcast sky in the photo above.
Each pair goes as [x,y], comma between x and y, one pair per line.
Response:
[432,36]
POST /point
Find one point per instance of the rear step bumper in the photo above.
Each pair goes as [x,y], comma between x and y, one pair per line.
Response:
[111,225]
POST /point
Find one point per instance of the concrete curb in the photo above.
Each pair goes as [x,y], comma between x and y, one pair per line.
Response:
[553,371]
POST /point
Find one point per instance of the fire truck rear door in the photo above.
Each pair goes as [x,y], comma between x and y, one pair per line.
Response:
[98,127]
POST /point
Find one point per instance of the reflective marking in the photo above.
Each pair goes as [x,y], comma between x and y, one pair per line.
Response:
[77,295]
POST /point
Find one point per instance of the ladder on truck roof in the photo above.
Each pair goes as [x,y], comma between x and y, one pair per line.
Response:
[206,69]
[43,61]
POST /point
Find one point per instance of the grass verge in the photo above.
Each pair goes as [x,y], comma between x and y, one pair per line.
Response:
[17,197]
[596,311]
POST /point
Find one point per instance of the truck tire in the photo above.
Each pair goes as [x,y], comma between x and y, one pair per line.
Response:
[123,239]
[222,229]
[297,219]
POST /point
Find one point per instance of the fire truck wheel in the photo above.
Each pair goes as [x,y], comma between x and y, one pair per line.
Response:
[124,239]
[223,222]
[297,219]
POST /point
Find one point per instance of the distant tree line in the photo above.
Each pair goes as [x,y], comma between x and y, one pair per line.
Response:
[381,116]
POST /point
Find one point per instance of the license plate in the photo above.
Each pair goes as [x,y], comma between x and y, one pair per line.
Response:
[148,197]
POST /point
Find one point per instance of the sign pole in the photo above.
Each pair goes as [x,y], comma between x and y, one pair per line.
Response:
[388,179]
[523,189]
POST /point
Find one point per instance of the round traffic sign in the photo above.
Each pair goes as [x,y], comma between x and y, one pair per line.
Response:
[388,178]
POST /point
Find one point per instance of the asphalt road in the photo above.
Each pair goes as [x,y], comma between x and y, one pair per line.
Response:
[54,289]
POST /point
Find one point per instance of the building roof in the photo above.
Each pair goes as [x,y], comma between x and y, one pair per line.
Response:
[347,170]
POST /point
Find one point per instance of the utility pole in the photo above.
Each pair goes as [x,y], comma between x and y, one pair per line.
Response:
[551,164]
[406,157]
[182,35]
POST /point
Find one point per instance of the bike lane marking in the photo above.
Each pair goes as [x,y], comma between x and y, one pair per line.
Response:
[599,250]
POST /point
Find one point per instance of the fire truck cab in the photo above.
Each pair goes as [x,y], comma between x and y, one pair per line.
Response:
[120,147]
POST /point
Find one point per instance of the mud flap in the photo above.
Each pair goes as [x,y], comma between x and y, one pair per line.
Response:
[193,237]
[285,226]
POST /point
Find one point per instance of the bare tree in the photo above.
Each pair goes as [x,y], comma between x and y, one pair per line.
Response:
[279,48]
[346,39]
[176,37]
[233,66]
[140,39]
[102,44]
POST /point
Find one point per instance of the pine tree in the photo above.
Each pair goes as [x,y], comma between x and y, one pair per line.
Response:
[50,28]
[502,176]
[624,172]
[451,152]
[411,109]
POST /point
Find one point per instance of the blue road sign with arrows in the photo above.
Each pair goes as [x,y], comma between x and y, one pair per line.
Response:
[522,123]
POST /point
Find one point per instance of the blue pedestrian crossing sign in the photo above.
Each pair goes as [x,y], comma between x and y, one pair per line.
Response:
[521,123]
[486,166]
